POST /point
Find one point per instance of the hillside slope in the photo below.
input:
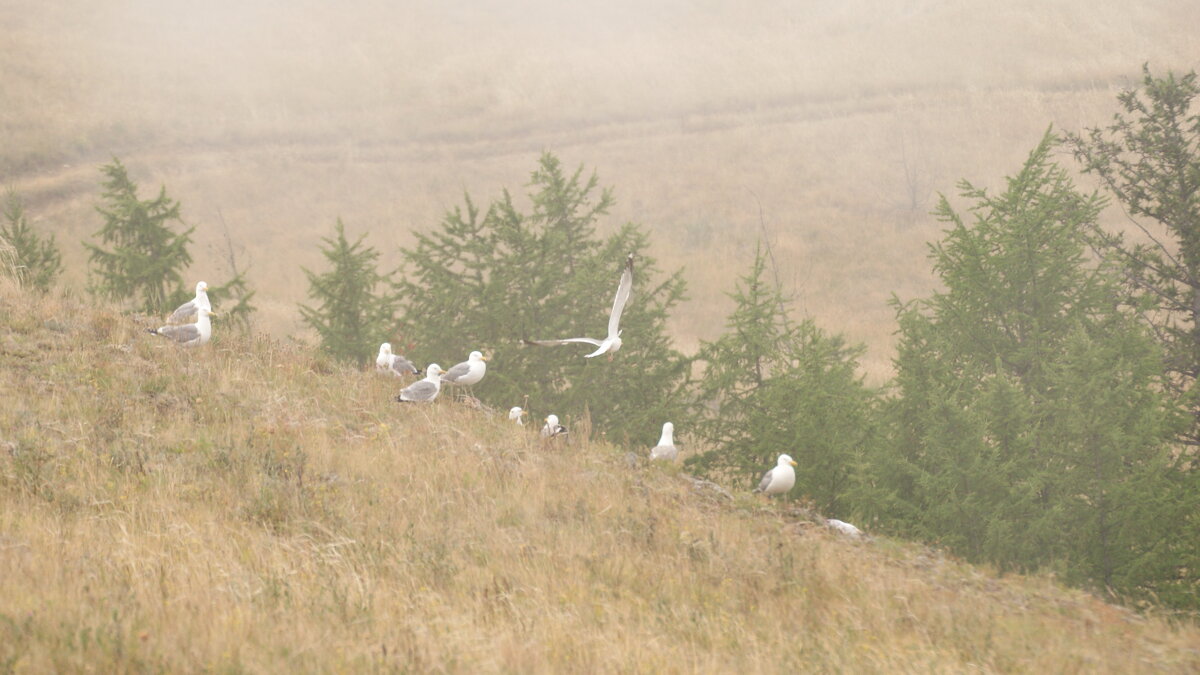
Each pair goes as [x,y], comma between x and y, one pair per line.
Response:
[249,507]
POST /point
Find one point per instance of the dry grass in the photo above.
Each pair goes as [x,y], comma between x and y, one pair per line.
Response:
[827,125]
[250,507]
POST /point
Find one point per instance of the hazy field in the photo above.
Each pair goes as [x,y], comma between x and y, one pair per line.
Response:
[829,126]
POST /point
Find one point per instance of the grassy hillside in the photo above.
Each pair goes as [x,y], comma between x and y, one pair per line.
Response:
[250,507]
[827,126]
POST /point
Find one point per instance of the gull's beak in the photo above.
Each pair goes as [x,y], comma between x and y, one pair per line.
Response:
[212,313]
[484,358]
[793,463]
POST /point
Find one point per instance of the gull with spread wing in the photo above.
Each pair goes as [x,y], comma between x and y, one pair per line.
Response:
[611,343]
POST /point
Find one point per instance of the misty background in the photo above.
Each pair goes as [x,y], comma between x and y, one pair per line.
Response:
[827,127]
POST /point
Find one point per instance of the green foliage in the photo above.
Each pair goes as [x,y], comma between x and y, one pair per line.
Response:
[770,386]
[1149,159]
[1030,427]
[233,297]
[351,316]
[35,262]
[147,258]
[485,280]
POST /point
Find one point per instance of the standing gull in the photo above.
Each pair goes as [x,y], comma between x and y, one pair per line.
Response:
[394,363]
[188,334]
[468,372]
[611,343]
[553,428]
[423,390]
[515,414]
[780,479]
[665,450]
[189,309]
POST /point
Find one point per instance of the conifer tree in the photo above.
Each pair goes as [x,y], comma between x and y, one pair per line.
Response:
[1030,428]
[1149,160]
[355,309]
[233,296]
[36,261]
[146,258]
[771,385]
[488,278]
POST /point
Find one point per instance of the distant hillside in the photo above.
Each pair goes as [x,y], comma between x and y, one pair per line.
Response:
[248,506]
[827,126]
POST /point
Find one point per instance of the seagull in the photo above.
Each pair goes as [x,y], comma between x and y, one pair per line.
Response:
[553,428]
[423,390]
[611,343]
[189,334]
[780,479]
[468,372]
[844,527]
[515,414]
[188,309]
[665,449]
[393,363]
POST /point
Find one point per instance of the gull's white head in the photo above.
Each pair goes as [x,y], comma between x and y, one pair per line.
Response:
[476,356]
[785,460]
[515,413]
[552,420]
[668,434]
[385,348]
[202,287]
[432,371]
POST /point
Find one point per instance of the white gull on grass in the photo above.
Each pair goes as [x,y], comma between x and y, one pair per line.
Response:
[515,413]
[844,527]
[425,390]
[612,342]
[553,428]
[780,479]
[468,372]
[665,450]
[188,334]
[187,310]
[387,362]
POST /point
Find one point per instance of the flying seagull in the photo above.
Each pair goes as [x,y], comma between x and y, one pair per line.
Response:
[188,334]
[665,450]
[611,343]
[394,363]
[553,428]
[515,414]
[780,479]
[188,309]
[423,390]
[468,372]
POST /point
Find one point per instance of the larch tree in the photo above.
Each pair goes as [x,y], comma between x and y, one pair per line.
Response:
[1030,428]
[355,307]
